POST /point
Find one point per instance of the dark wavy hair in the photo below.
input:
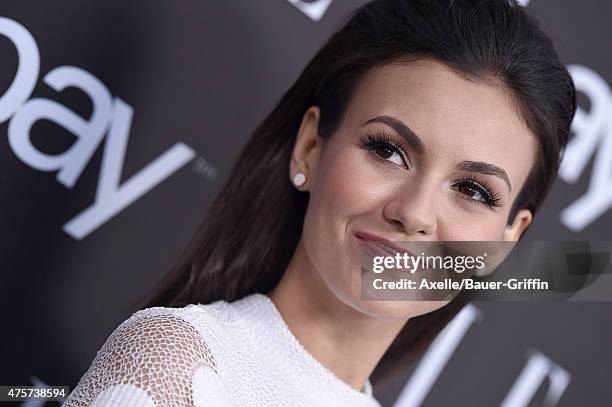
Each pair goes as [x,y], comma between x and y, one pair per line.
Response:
[250,232]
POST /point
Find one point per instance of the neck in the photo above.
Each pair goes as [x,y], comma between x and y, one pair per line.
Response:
[343,339]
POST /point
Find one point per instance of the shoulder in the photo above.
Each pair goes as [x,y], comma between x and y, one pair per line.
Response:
[161,332]
[167,353]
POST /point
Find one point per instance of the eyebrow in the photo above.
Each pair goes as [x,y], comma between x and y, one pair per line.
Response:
[415,142]
[485,168]
[404,131]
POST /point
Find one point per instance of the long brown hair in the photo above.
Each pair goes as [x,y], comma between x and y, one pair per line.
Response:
[248,236]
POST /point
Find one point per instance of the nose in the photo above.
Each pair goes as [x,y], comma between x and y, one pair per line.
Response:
[412,210]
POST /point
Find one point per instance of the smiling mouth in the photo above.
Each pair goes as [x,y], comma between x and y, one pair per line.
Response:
[376,246]
[379,246]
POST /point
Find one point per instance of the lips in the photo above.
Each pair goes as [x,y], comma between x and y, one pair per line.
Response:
[375,246]
[380,245]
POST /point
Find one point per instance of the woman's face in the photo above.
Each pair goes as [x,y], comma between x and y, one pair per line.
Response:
[422,154]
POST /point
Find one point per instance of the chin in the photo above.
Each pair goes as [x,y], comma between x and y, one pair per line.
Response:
[395,309]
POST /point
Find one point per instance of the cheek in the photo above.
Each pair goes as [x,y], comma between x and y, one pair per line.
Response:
[349,187]
[462,220]
[344,189]
[455,225]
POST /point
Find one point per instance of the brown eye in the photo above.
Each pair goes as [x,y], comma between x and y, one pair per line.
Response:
[473,193]
[478,192]
[384,149]
[384,152]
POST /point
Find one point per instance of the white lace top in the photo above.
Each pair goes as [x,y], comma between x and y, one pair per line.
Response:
[238,354]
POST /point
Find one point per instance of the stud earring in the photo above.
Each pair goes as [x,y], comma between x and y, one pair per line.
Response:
[299,179]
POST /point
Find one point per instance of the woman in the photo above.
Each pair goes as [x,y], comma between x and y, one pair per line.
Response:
[418,121]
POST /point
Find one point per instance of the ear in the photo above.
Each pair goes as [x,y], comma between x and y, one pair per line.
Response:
[307,148]
[515,230]
[512,233]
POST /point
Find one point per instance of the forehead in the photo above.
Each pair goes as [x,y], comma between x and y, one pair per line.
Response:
[455,117]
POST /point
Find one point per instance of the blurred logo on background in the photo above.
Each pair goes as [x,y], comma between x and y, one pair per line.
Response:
[592,140]
[314,9]
[110,122]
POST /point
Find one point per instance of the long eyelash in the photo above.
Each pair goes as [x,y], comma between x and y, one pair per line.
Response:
[492,198]
[378,139]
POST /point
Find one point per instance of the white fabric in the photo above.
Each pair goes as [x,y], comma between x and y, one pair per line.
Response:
[236,354]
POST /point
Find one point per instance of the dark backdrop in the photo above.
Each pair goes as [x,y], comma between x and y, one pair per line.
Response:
[182,84]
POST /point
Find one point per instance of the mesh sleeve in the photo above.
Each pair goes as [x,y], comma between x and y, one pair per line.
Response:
[151,360]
